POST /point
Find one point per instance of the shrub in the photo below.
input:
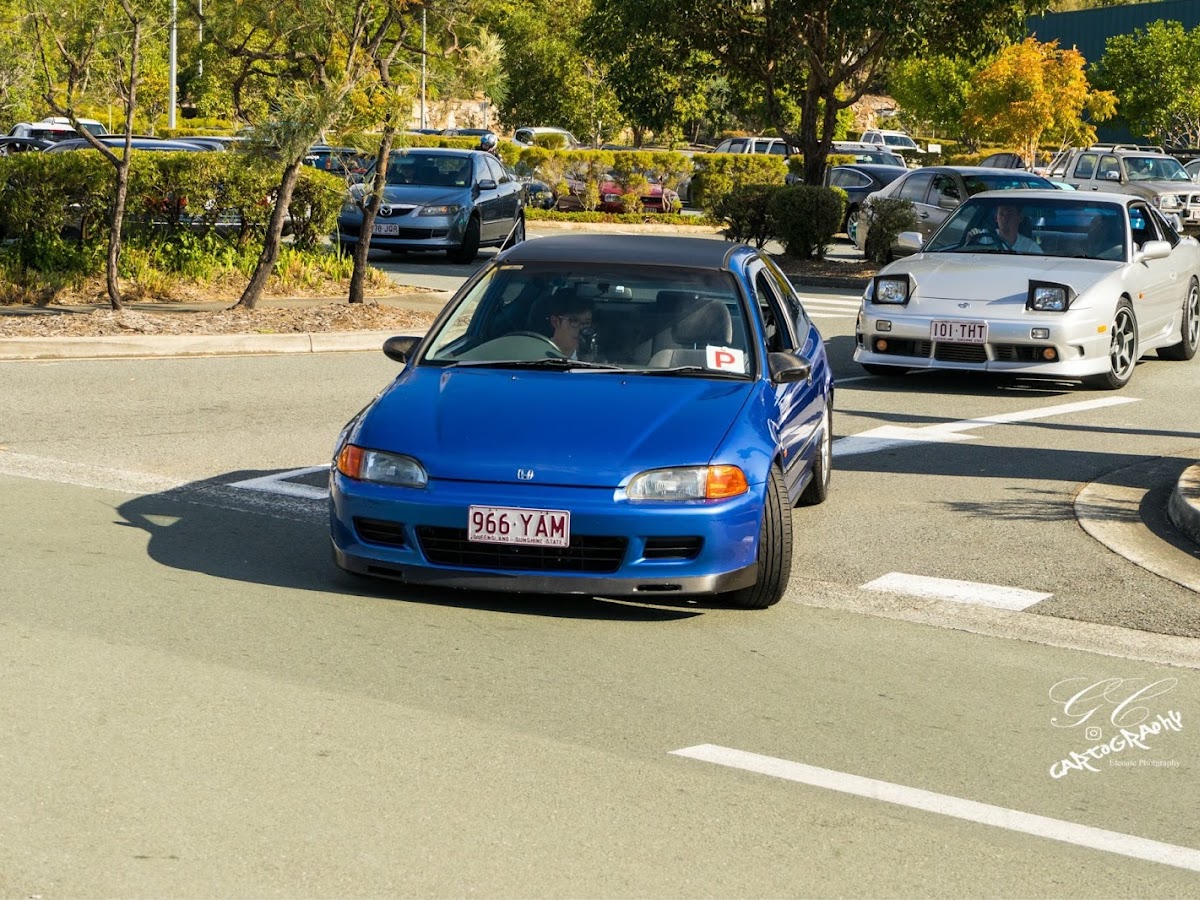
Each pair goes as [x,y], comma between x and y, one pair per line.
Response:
[746,213]
[719,173]
[805,218]
[885,218]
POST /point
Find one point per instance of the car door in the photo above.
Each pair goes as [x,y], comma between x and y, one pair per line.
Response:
[1081,176]
[798,409]
[946,194]
[488,200]
[915,189]
[1160,288]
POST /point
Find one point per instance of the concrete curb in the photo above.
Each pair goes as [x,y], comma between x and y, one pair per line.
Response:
[1184,505]
[121,346]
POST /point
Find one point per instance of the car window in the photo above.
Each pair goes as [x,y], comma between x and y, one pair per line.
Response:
[946,192]
[848,178]
[799,319]
[1165,228]
[774,316]
[1086,166]
[1110,168]
[915,186]
[1142,224]
[1002,180]
[495,171]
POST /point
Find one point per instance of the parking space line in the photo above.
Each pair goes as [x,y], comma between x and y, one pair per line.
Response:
[1015,599]
[954,807]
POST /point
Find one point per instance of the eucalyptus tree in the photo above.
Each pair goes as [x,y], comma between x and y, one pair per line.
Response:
[74,40]
[824,52]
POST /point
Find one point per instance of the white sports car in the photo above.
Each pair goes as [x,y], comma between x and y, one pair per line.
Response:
[1038,283]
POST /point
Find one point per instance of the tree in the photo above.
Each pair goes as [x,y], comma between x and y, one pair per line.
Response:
[824,52]
[1033,89]
[933,91]
[1153,74]
[70,38]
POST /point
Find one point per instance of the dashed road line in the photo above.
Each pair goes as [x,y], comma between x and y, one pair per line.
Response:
[946,805]
[1015,599]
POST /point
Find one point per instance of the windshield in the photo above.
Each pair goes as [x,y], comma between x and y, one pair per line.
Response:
[602,318]
[429,169]
[1155,168]
[1003,180]
[1081,229]
[900,140]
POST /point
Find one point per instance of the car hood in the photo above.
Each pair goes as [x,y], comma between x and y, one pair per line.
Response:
[416,194]
[590,429]
[995,277]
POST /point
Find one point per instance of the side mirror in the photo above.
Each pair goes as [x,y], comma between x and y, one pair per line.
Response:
[400,347]
[788,368]
[486,184]
[1154,250]
[910,241]
[1112,176]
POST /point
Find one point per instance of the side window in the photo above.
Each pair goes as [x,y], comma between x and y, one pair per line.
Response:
[1142,224]
[738,146]
[525,137]
[495,171]
[774,318]
[914,187]
[1109,166]
[724,146]
[1164,227]
[946,193]
[1086,166]
[848,178]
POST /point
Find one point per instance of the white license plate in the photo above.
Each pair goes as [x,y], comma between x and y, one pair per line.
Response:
[385,228]
[512,525]
[958,332]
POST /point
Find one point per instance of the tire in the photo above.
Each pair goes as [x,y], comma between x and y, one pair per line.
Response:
[1189,329]
[517,235]
[817,489]
[469,248]
[774,550]
[885,371]
[851,224]
[1122,351]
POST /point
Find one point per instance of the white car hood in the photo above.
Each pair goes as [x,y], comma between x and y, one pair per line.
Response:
[990,276]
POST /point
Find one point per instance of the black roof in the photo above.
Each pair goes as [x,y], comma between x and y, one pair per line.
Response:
[659,250]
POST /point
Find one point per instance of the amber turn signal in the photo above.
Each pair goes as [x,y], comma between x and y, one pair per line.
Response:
[725,481]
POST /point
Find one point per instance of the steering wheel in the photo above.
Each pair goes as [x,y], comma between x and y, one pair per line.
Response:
[987,237]
[539,336]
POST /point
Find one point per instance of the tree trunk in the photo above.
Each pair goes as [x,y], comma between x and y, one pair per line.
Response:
[374,200]
[114,234]
[274,236]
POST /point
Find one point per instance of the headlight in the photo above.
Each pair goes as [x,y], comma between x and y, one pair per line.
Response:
[386,468]
[1167,201]
[612,198]
[690,483]
[439,210]
[1045,296]
[891,289]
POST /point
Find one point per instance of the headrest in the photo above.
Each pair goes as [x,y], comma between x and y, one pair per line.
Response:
[710,324]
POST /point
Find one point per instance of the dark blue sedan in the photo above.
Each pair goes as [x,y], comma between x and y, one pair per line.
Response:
[603,415]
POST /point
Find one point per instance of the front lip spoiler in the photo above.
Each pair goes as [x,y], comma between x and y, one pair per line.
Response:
[598,586]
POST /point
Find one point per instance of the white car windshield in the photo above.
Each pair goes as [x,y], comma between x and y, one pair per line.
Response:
[602,318]
[1082,229]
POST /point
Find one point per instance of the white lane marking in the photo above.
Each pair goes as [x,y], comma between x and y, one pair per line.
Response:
[277,484]
[890,436]
[946,805]
[995,595]
[85,474]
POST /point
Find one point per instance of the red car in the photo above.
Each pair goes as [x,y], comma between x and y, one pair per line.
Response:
[655,198]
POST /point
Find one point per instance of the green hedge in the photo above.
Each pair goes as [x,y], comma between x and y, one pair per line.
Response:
[717,174]
[802,217]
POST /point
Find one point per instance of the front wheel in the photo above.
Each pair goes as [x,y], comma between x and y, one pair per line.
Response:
[1122,351]
[517,235]
[469,248]
[1189,329]
[774,550]
[852,226]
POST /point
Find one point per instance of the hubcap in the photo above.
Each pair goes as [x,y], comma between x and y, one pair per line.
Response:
[852,227]
[827,446]
[1191,315]
[1124,343]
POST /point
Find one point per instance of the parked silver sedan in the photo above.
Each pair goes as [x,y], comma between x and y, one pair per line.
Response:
[1040,283]
[439,199]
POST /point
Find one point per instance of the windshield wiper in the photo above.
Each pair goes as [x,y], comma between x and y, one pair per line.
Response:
[550,362]
[688,370]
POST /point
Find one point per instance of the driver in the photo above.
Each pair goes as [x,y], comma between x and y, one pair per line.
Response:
[569,317]
[1008,227]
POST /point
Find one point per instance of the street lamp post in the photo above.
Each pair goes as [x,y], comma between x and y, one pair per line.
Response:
[423,58]
[171,67]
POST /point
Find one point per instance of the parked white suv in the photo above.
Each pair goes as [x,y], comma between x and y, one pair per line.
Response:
[775,146]
[895,141]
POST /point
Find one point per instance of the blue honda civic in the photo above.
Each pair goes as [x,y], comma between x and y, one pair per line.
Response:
[613,416]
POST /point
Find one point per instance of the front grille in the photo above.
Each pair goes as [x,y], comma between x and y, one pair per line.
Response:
[412,234]
[380,531]
[1019,352]
[673,547]
[969,353]
[390,212]
[903,346]
[587,553]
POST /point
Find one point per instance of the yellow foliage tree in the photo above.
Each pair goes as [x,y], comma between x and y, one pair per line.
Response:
[1033,90]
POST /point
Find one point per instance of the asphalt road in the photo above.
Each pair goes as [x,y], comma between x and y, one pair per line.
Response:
[196,702]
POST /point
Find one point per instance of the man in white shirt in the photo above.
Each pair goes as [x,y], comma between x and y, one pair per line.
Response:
[1008,227]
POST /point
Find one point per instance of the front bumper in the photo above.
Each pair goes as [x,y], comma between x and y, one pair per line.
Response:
[412,232]
[1079,348]
[721,537]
